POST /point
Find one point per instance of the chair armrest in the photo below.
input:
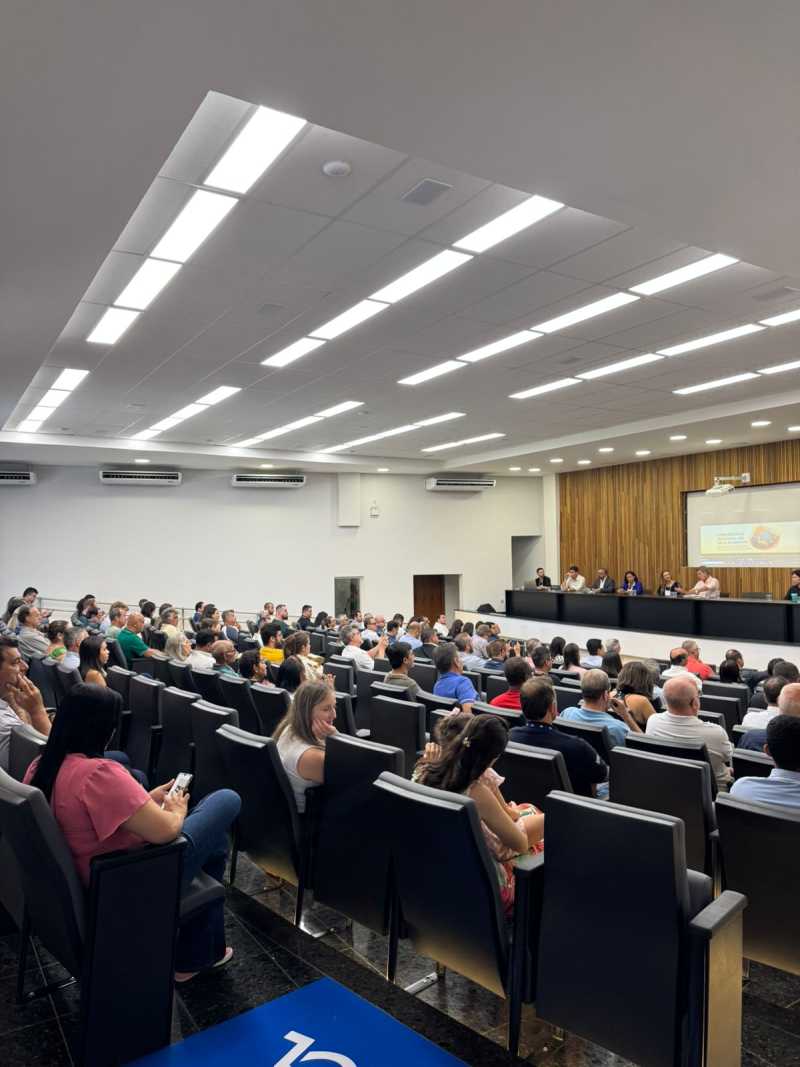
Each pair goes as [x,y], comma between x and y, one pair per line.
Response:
[529,885]
[716,915]
[526,866]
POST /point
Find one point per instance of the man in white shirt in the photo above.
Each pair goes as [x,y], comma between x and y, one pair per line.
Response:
[706,587]
[678,659]
[32,642]
[681,723]
[757,720]
[363,659]
[370,635]
[71,659]
[200,657]
[20,700]
[574,582]
[440,626]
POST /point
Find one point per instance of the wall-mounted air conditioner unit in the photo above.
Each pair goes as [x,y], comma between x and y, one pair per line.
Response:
[459,485]
[268,481]
[125,477]
[17,478]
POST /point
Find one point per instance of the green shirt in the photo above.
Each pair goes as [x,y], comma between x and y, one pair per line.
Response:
[131,644]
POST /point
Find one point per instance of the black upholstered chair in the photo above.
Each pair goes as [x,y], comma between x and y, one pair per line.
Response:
[271,703]
[176,740]
[206,683]
[209,770]
[119,679]
[693,750]
[495,685]
[143,665]
[351,856]
[236,694]
[760,858]
[144,720]
[475,678]
[156,639]
[317,641]
[747,763]
[364,681]
[116,657]
[399,723]
[566,678]
[531,773]
[596,736]
[679,787]
[180,675]
[509,716]
[64,681]
[40,672]
[670,992]
[433,703]
[447,898]
[486,675]
[566,697]
[345,716]
[160,667]
[730,707]
[425,675]
[343,675]
[382,664]
[717,718]
[24,745]
[386,689]
[739,691]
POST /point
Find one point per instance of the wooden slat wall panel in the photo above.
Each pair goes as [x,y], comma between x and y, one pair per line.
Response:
[631,517]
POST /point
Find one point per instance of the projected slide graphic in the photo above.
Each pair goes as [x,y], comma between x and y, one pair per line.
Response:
[750,539]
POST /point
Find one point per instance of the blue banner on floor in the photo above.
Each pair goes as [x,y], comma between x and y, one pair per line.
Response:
[321,1023]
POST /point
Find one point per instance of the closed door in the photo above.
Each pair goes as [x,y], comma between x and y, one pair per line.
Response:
[429,595]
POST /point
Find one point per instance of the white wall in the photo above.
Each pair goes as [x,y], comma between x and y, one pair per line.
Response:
[239,547]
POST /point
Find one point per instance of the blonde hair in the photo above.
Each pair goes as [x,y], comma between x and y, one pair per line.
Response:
[298,719]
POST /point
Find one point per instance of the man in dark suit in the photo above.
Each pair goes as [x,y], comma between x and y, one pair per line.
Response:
[541,581]
[603,583]
[430,642]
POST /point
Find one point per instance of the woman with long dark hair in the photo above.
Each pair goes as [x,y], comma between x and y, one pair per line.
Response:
[456,628]
[557,651]
[571,659]
[93,653]
[100,808]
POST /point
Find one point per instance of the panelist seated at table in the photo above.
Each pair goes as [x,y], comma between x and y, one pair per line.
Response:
[631,584]
[603,583]
[793,592]
[541,581]
[706,587]
[669,587]
[574,581]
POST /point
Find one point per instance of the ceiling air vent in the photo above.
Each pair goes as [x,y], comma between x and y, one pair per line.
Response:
[425,192]
[268,481]
[17,478]
[124,477]
[459,485]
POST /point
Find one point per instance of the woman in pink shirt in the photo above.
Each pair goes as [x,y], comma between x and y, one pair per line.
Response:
[101,808]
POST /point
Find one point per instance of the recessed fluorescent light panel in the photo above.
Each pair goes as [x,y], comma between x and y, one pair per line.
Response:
[510,222]
[534,470]
[760,423]
[684,274]
[29,426]
[187,412]
[202,214]
[432,372]
[464,441]
[112,325]
[643,452]
[718,383]
[588,311]
[69,378]
[779,368]
[711,339]
[515,468]
[781,320]
[372,437]
[793,429]
[540,390]
[355,315]
[557,459]
[624,364]
[145,435]
[513,340]
[420,276]
[218,395]
[584,462]
[53,397]
[606,449]
[300,424]
[714,441]
[339,409]
[678,437]
[261,140]
[147,283]
[292,352]
[448,417]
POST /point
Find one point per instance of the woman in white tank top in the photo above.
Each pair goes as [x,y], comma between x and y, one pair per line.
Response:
[301,736]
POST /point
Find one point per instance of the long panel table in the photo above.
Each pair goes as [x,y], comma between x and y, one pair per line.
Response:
[728,618]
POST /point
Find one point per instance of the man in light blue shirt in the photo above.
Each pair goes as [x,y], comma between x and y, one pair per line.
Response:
[469,661]
[451,681]
[596,705]
[782,787]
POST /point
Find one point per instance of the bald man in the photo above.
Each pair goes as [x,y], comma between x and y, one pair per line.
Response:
[755,738]
[224,653]
[129,641]
[680,723]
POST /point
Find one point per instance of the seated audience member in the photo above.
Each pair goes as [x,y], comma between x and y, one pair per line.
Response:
[430,642]
[198,614]
[509,831]
[694,664]
[304,621]
[631,584]
[543,661]
[455,629]
[401,659]
[785,700]
[148,610]
[706,587]
[211,618]
[793,592]
[681,723]
[230,626]
[594,653]
[574,582]
[729,671]
[267,614]
[282,619]
[168,622]
[749,677]
[128,640]
[253,668]
[635,690]
[80,617]
[611,664]
[657,699]
[10,617]
[480,640]
[678,658]
[357,619]
[200,657]
[369,634]
[782,786]
[73,639]
[29,597]
[299,644]
[20,700]
[116,619]
[94,619]
[392,629]
[541,581]
[597,706]
[55,639]
[668,587]
[178,647]
[758,720]
[301,735]
[451,681]
[776,668]
[517,671]
[271,642]
[469,661]
[100,808]
[531,644]
[320,621]
[469,629]
[571,660]
[557,646]
[538,703]
[93,657]
[612,644]
[224,653]
[363,659]
[497,653]
[440,626]
[292,674]
[603,583]
[412,635]
[32,642]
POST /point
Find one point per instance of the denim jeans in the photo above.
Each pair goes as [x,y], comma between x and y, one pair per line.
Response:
[201,941]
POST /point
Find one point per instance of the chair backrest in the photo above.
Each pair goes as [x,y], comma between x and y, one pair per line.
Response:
[434,703]
[694,750]
[399,724]
[507,715]
[119,679]
[54,898]
[41,674]
[566,697]
[268,825]
[495,685]
[145,695]
[385,689]
[476,680]
[209,769]
[161,670]
[236,694]
[333,646]
[760,858]
[24,745]
[351,858]
[596,736]
[486,673]
[718,719]
[567,678]
[445,879]
[317,641]
[345,716]
[382,665]
[739,690]
[531,773]
[679,787]
[271,704]
[180,675]
[245,643]
[425,675]
[364,682]
[206,682]
[628,878]
[747,763]
[65,680]
[156,639]
[730,707]
[343,675]
[116,657]
[176,748]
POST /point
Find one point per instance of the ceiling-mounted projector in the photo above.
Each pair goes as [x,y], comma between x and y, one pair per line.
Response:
[723,485]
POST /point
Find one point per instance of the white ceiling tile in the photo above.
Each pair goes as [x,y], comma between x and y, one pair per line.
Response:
[552,240]
[487,205]
[158,209]
[617,255]
[208,134]
[539,290]
[341,256]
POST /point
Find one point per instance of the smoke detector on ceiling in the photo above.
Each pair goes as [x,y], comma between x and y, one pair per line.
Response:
[336,168]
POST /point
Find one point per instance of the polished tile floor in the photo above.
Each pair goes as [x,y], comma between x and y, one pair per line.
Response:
[273,958]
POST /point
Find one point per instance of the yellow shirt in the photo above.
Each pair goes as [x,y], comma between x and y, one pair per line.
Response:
[272,655]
